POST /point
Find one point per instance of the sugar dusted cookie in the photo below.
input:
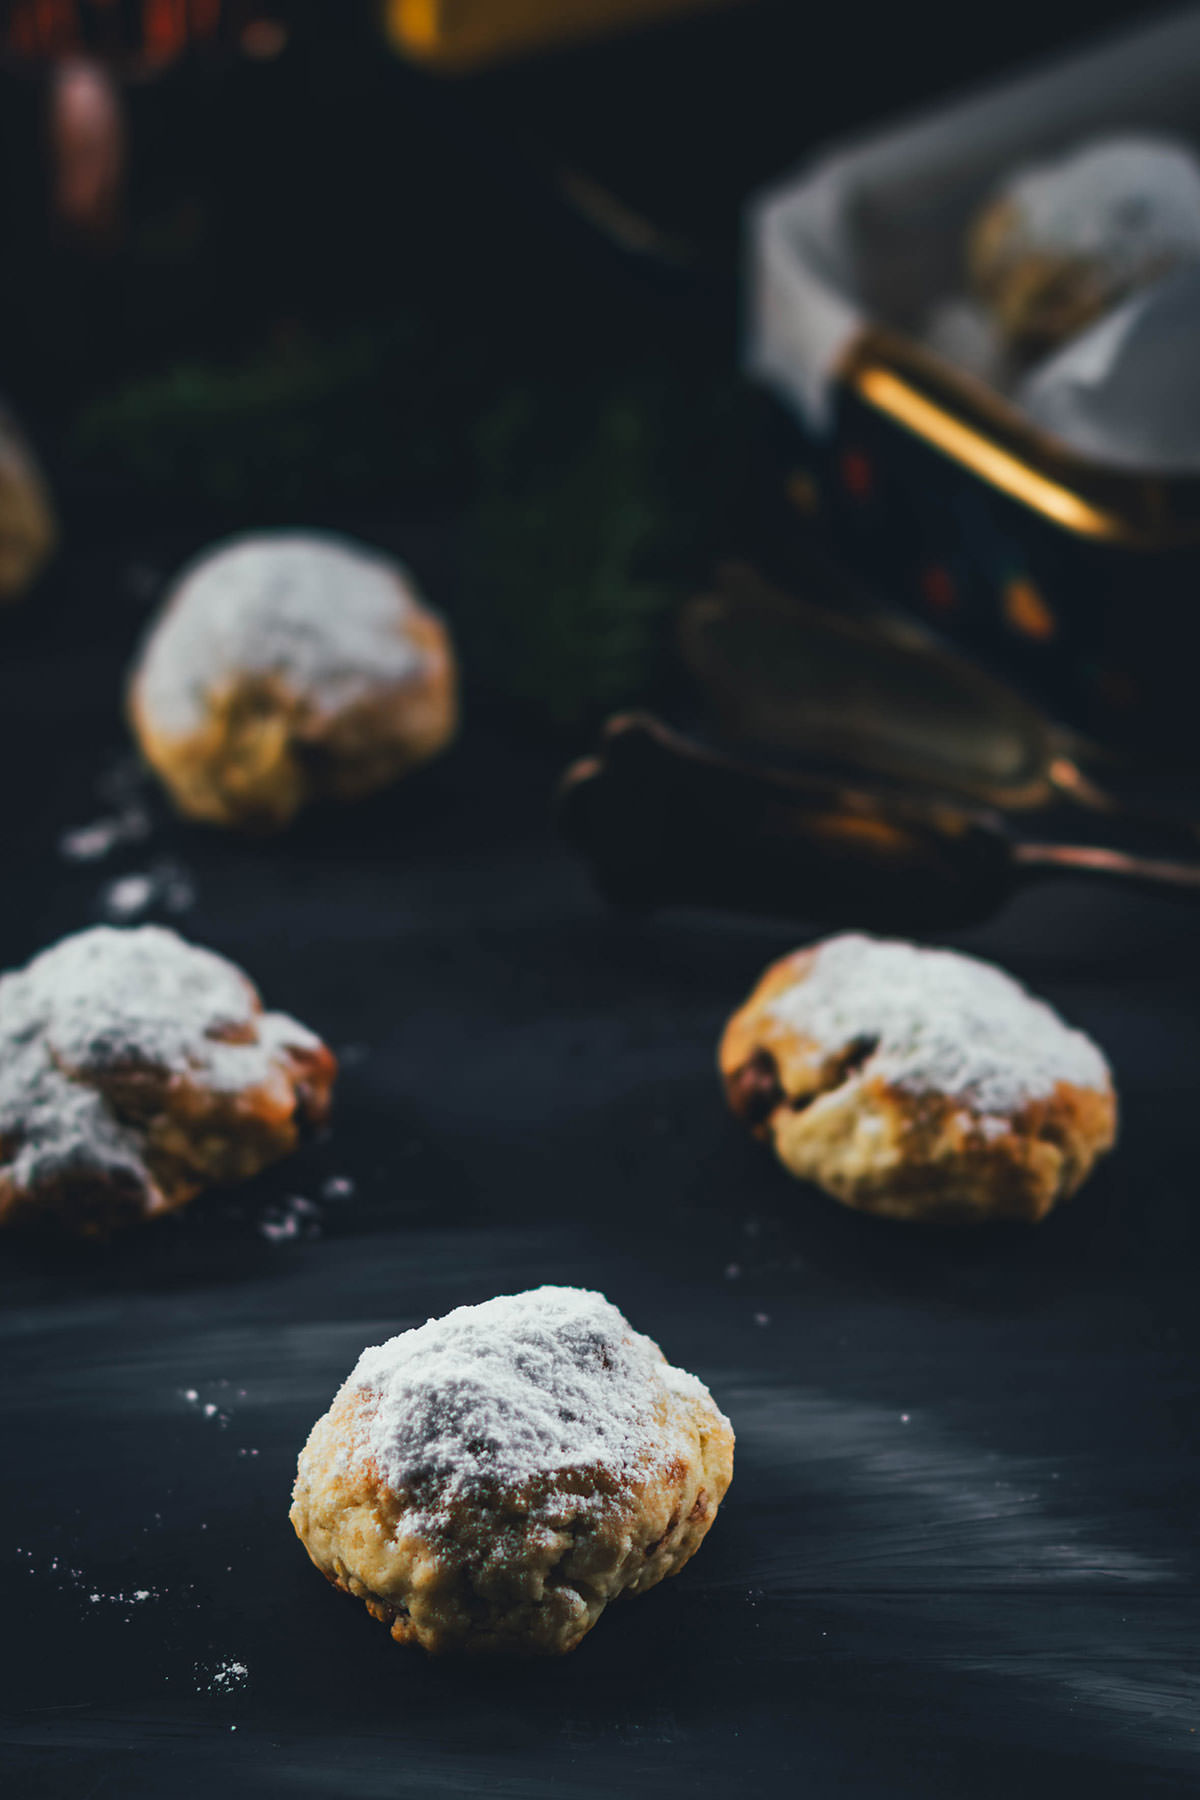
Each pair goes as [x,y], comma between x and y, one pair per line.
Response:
[919,1084]
[1061,242]
[289,667]
[136,1069]
[491,1480]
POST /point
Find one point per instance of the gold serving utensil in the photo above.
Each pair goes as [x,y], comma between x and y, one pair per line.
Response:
[663,821]
[872,693]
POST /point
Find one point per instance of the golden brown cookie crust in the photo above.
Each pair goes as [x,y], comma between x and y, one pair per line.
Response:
[913,1156]
[489,1583]
[194,1139]
[526,1570]
[149,1132]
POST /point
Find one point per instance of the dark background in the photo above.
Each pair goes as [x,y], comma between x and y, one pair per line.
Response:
[278,210]
[959,1553]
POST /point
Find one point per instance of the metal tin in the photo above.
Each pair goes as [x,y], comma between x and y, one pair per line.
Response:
[1077,577]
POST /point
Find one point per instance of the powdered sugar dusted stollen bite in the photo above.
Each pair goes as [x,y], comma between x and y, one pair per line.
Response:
[920,1084]
[136,1069]
[289,667]
[491,1480]
[1062,242]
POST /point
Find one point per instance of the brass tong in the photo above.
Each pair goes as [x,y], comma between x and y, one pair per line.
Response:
[853,686]
[909,757]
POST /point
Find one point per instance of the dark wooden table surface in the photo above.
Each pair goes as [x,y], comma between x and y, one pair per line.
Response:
[959,1555]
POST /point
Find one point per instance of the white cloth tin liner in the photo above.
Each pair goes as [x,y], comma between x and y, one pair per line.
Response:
[873,232]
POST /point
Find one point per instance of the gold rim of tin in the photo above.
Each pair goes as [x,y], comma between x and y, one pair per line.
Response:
[963,418]
[459,36]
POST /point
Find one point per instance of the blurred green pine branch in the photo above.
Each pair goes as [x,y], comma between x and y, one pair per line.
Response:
[599,504]
[301,426]
[586,502]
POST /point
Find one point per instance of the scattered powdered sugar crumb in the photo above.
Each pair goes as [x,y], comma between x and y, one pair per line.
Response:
[524,1386]
[219,1411]
[292,1218]
[935,1021]
[166,887]
[106,999]
[65,1577]
[127,897]
[226,1678]
[327,616]
[338,1187]
[121,788]
[91,843]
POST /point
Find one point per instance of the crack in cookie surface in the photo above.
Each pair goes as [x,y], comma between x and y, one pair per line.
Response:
[918,1084]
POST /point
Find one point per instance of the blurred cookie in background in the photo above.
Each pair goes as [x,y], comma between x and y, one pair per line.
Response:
[288,667]
[1061,242]
[27,528]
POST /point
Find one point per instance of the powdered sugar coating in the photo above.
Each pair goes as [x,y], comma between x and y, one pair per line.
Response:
[938,1022]
[1129,204]
[326,616]
[524,1388]
[108,1000]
